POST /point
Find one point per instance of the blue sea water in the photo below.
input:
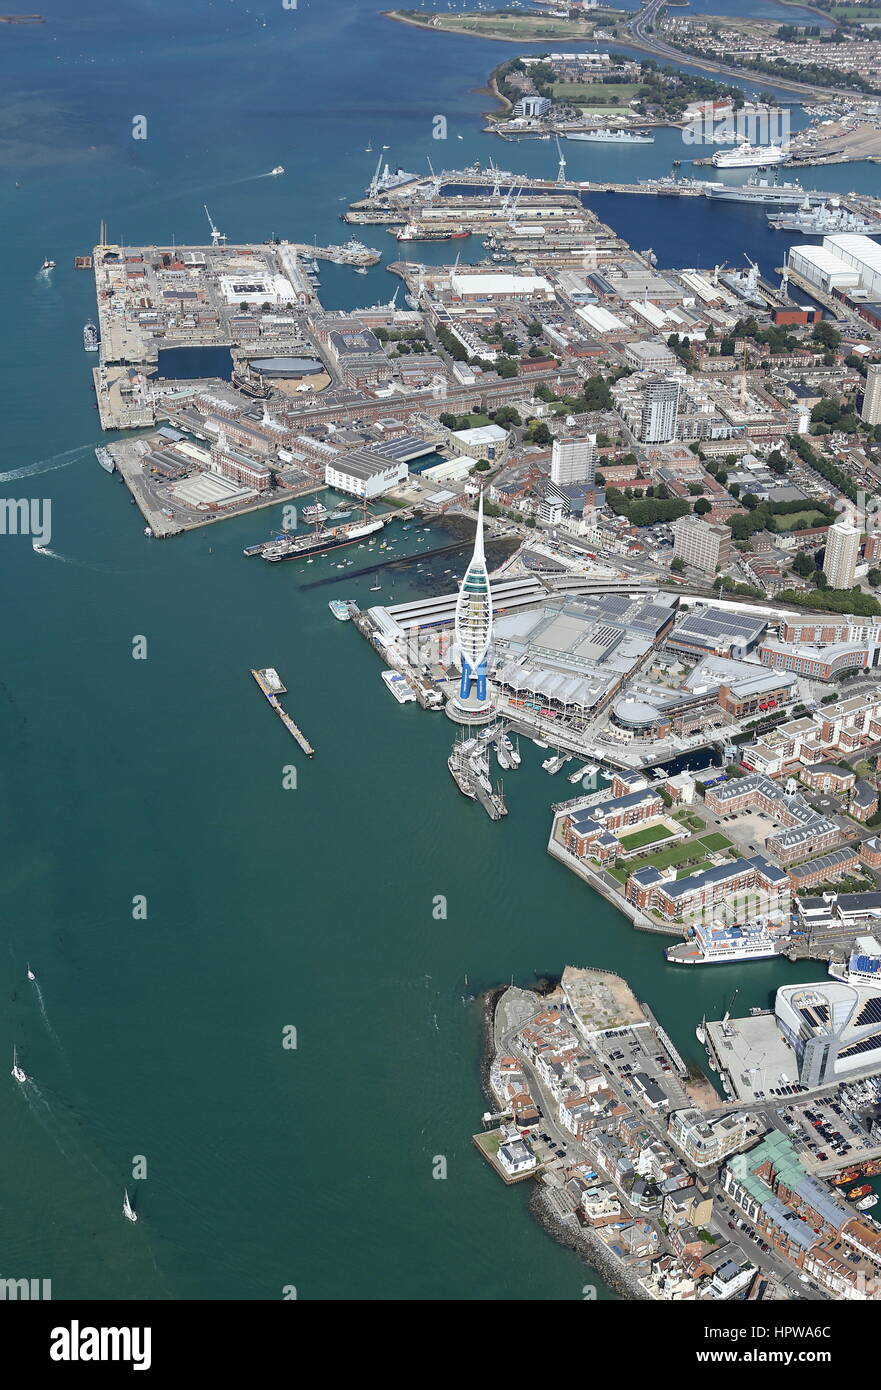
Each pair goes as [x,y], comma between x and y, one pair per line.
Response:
[266,908]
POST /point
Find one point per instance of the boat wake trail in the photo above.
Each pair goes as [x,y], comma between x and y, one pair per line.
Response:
[59,1127]
[49,465]
[45,1016]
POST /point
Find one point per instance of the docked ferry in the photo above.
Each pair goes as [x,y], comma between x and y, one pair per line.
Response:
[713,943]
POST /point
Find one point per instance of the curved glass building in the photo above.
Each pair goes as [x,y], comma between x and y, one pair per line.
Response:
[474,617]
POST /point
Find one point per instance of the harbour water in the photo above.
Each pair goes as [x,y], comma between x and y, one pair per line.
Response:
[266,909]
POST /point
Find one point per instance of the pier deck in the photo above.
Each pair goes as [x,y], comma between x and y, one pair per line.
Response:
[271,694]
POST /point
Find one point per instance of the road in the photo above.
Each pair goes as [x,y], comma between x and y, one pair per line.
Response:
[642,38]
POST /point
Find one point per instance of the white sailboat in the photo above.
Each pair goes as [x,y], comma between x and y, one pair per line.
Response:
[19,1074]
[127,1209]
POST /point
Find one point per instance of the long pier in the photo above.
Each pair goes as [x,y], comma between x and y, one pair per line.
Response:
[272,691]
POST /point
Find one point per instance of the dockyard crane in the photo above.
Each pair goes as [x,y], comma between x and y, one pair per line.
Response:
[717,270]
[561,169]
[217,238]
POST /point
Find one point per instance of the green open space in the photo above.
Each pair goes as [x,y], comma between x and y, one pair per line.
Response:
[596,93]
[648,836]
[693,869]
[715,841]
[797,521]
[676,854]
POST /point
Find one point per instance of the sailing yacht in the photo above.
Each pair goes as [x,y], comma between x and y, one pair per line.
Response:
[17,1072]
[127,1209]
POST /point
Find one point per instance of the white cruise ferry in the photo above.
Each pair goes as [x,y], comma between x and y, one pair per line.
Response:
[744,941]
[747,156]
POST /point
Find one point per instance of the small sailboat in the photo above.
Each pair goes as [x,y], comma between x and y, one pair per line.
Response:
[31,975]
[128,1210]
[700,1031]
[19,1074]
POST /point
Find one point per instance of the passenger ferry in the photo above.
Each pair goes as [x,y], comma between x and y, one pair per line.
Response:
[709,944]
[399,687]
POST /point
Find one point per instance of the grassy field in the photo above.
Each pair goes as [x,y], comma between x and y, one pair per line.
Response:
[715,841]
[796,521]
[649,836]
[693,869]
[596,93]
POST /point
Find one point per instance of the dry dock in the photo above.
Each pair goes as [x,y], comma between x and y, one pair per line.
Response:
[269,682]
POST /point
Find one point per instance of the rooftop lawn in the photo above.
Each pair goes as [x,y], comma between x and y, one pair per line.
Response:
[649,835]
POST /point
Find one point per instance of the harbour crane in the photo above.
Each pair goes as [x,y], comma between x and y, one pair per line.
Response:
[217,238]
[561,169]
[717,269]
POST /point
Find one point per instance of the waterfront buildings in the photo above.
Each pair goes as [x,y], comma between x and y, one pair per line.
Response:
[704,892]
[803,830]
[842,554]
[833,1027]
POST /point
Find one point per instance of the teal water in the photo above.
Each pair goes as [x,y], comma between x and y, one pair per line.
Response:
[266,908]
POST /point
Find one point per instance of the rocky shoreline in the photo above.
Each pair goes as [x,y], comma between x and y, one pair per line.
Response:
[583,1241]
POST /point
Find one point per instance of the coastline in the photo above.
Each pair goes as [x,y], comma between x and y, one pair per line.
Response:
[581,1240]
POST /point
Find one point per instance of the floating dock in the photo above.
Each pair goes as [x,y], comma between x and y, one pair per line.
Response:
[270,683]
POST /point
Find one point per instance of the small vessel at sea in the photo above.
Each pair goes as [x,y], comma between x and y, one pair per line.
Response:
[375,588]
[106,460]
[862,1191]
[866,1203]
[90,336]
[19,1074]
[47,266]
[612,137]
[128,1210]
[39,549]
[31,975]
[279,169]
[360,270]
